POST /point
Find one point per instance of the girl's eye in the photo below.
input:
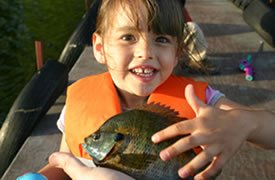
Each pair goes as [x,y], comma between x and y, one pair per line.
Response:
[128,37]
[162,39]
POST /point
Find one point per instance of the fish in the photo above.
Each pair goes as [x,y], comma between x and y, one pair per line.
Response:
[124,143]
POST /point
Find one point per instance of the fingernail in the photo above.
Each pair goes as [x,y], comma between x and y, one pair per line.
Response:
[183,174]
[164,155]
[52,158]
[155,138]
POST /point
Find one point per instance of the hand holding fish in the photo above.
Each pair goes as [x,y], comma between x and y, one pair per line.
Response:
[76,170]
[219,132]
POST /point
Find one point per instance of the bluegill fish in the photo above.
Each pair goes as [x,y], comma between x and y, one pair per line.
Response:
[124,143]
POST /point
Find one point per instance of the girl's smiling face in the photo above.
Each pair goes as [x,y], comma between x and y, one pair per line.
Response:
[138,59]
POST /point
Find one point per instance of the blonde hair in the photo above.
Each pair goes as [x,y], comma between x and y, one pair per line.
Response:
[163,16]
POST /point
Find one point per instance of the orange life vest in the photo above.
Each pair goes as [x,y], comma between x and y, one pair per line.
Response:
[93,100]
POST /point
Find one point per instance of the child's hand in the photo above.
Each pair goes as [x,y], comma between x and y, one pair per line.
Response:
[220,133]
[76,170]
[72,166]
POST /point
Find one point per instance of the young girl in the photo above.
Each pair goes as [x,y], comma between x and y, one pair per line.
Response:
[140,43]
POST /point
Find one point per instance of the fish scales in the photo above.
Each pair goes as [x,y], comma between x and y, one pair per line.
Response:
[124,143]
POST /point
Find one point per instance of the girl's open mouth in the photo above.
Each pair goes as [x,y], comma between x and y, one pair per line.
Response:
[143,71]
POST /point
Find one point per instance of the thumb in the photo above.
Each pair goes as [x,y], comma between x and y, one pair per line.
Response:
[193,100]
[72,166]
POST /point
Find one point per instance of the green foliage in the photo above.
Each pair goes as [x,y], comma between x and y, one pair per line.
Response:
[52,22]
[23,22]
[13,32]
[13,36]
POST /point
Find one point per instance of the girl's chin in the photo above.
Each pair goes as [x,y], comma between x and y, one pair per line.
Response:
[144,92]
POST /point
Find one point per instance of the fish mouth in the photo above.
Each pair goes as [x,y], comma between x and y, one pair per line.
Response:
[100,150]
[144,71]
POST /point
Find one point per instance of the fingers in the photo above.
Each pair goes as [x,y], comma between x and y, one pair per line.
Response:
[182,145]
[214,169]
[208,155]
[201,132]
[72,166]
[184,127]
[77,171]
[192,99]
[180,128]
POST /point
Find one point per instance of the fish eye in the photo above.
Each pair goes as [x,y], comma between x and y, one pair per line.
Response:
[118,137]
[95,136]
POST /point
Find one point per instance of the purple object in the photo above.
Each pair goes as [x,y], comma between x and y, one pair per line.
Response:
[249,73]
[246,66]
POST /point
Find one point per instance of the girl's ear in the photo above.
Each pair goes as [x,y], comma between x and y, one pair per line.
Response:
[98,48]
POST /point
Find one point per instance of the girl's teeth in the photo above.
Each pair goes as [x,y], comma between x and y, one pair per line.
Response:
[148,70]
[140,70]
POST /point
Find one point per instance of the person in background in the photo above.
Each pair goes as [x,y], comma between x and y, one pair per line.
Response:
[196,48]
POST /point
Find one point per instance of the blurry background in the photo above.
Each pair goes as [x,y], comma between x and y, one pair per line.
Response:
[23,22]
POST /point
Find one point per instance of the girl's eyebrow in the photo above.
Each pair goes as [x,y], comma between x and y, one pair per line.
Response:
[127,28]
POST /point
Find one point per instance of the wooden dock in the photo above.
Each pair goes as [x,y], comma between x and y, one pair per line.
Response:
[230,40]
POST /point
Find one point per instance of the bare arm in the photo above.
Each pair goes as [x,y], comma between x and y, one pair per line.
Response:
[262,120]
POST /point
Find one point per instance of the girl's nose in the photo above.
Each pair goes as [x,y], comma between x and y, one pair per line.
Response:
[144,50]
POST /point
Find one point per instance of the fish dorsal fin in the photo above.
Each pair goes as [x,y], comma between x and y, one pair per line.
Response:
[160,109]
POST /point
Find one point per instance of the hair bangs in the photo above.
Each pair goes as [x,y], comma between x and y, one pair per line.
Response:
[169,19]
